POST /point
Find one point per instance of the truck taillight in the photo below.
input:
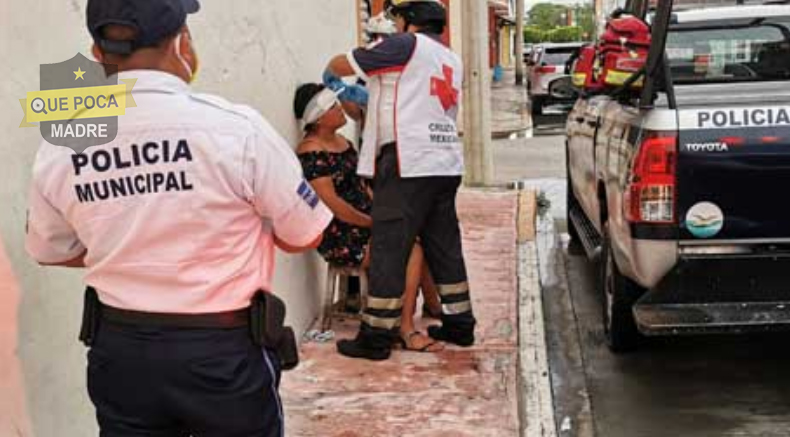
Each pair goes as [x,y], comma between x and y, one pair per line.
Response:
[650,197]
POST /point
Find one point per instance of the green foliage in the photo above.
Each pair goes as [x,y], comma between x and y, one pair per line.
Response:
[585,19]
[549,23]
[533,35]
[546,16]
[564,34]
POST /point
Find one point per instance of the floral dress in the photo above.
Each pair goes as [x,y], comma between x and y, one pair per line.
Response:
[344,244]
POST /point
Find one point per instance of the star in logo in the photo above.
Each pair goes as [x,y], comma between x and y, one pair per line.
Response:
[442,87]
[79,74]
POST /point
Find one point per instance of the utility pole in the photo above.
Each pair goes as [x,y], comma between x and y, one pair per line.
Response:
[519,42]
[477,94]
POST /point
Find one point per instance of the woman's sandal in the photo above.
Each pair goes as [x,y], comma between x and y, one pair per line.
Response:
[407,343]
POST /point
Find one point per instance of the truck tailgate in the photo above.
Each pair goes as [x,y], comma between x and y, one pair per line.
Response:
[719,294]
[733,168]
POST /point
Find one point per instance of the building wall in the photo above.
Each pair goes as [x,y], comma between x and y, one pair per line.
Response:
[252,52]
[506,44]
[493,38]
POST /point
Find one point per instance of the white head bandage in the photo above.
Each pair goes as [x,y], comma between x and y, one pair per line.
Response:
[319,105]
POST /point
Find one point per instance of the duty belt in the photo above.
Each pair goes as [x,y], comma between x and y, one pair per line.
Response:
[223,320]
[265,318]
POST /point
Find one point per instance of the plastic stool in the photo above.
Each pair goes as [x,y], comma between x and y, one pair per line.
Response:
[334,289]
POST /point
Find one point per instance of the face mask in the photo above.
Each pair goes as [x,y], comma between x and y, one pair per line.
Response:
[192,74]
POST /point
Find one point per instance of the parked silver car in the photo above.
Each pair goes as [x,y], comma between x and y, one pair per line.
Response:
[547,63]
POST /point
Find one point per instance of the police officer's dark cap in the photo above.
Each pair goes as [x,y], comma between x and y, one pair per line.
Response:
[153,21]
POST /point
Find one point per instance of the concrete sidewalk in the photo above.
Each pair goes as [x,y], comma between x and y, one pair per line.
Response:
[458,392]
[509,109]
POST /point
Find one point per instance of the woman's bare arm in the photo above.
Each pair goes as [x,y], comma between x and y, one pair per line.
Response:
[339,207]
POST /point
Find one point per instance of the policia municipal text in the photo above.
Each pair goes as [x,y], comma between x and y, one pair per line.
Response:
[185,338]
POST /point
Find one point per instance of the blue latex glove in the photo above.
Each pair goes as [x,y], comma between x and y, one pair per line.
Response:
[355,94]
[350,93]
[333,82]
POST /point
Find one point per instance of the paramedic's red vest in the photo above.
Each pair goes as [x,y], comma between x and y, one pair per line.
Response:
[427,96]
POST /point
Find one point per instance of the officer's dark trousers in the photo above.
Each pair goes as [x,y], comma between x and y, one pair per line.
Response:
[175,382]
[404,209]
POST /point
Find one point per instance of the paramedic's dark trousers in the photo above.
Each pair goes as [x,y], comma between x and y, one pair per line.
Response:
[177,382]
[404,209]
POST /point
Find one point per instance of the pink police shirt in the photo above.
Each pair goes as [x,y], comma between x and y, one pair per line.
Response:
[178,213]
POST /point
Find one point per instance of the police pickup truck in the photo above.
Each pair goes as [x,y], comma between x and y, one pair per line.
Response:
[675,187]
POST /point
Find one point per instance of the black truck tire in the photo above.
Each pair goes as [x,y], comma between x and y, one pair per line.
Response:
[536,106]
[570,203]
[619,296]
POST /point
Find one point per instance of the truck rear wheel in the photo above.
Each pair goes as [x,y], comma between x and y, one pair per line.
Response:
[619,296]
[570,204]
[537,106]
[574,241]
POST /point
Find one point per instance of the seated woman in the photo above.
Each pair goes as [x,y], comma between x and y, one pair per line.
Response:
[329,162]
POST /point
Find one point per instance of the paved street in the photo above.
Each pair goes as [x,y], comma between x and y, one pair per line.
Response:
[692,386]
[539,155]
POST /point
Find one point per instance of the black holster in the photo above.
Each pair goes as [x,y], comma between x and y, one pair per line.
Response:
[267,325]
[91,317]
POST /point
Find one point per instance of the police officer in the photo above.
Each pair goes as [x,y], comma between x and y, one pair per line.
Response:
[176,222]
[415,157]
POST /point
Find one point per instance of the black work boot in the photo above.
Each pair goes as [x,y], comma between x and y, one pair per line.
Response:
[461,334]
[363,346]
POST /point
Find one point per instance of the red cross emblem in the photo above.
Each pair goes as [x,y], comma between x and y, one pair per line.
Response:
[442,87]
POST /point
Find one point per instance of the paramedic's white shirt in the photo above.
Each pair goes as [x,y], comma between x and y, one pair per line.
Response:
[178,212]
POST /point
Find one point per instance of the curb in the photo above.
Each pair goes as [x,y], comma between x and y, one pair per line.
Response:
[504,134]
[534,390]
